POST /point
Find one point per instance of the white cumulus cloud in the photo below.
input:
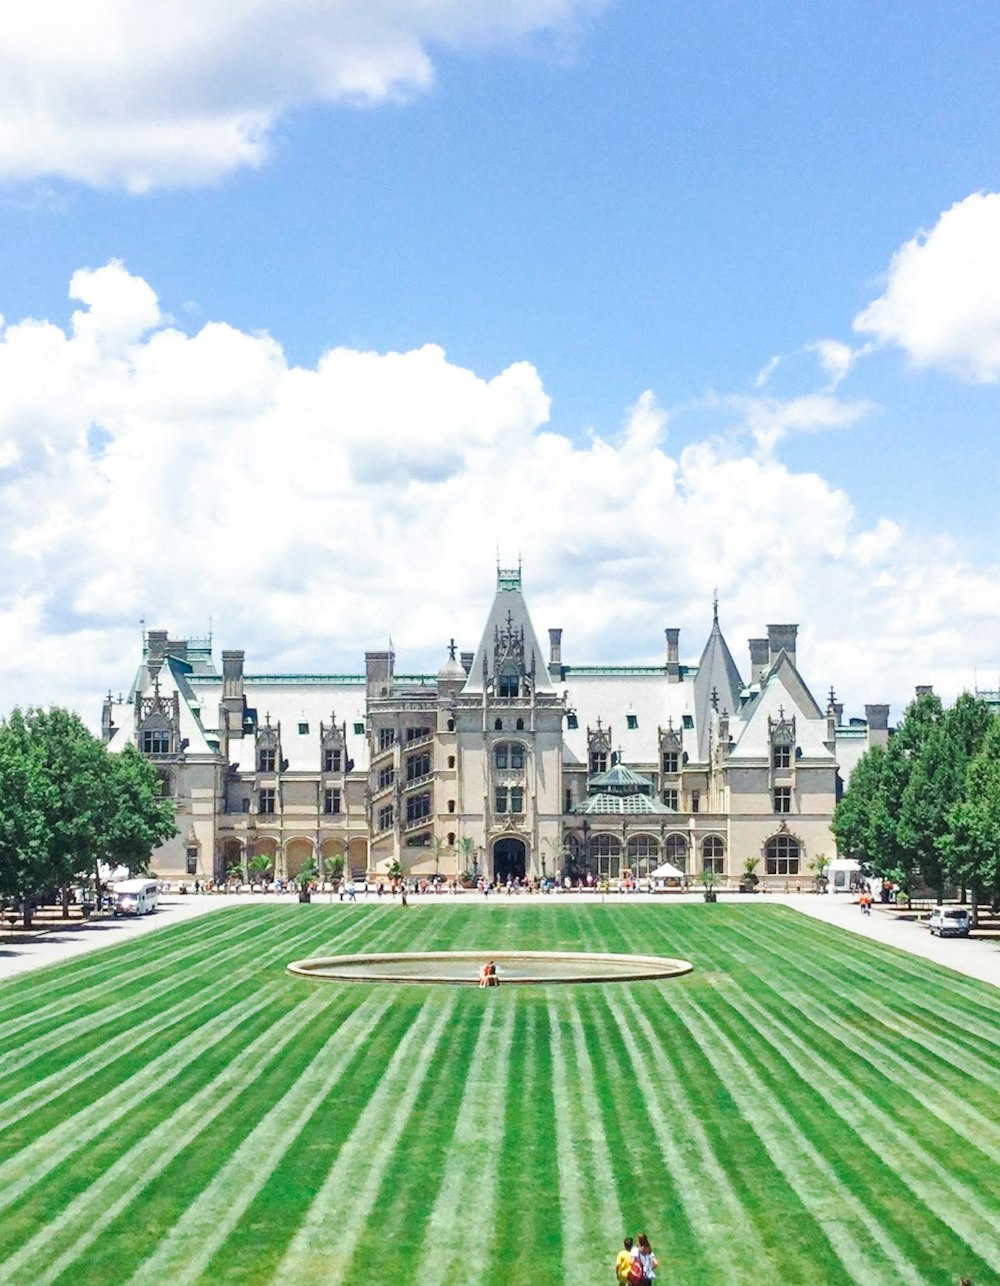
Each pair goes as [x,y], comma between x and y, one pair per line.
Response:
[121,92]
[941,302]
[313,511]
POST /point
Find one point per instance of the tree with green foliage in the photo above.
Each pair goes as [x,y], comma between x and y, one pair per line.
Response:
[972,847]
[66,805]
[898,812]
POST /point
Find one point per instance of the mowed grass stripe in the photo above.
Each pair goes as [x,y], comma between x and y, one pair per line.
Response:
[972,1217]
[456,1245]
[978,1003]
[945,1041]
[127,990]
[268,948]
[585,1166]
[856,1237]
[864,1165]
[94,1209]
[187,1250]
[727,1233]
[880,1053]
[915,1077]
[41,1094]
[701,1188]
[32,1163]
[526,1241]
[978,1033]
[321,1249]
[79,988]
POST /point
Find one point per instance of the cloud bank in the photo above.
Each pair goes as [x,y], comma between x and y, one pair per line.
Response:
[124,93]
[941,303]
[312,512]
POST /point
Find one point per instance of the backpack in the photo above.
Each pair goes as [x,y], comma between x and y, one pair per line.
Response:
[635,1273]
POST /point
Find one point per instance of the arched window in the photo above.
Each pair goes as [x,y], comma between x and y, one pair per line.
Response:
[519,725]
[781,856]
[713,855]
[643,854]
[606,850]
[676,850]
[498,726]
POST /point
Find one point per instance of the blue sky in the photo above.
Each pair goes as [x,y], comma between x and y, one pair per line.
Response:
[625,197]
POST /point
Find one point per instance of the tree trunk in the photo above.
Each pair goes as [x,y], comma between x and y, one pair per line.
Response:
[65,901]
[974,906]
[28,908]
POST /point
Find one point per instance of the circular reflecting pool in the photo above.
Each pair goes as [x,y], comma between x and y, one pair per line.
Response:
[513,968]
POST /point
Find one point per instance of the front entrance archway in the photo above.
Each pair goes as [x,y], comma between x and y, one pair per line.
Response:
[509,860]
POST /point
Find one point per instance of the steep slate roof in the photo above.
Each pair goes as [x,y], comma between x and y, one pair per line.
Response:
[777,697]
[509,602]
[613,693]
[716,671]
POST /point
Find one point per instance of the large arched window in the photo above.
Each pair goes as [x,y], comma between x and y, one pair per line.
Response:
[643,854]
[606,850]
[676,850]
[713,855]
[781,856]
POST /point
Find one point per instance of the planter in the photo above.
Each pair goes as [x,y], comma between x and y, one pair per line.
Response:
[711,895]
[748,888]
[86,909]
[305,895]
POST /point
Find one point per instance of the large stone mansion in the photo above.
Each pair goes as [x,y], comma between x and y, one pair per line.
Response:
[506,762]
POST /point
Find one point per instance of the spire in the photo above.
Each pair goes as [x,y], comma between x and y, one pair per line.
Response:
[717,682]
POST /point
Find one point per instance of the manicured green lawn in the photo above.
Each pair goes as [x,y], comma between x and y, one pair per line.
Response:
[804,1107]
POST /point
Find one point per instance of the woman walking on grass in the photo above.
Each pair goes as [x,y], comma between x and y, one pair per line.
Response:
[647,1259]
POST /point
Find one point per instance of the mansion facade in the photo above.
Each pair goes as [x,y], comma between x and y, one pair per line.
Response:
[508,762]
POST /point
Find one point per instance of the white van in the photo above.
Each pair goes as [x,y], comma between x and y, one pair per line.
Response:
[136,897]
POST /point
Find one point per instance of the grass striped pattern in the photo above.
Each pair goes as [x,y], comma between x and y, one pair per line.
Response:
[806,1107]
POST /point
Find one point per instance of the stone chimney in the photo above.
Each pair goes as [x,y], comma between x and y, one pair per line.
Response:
[378,673]
[759,654]
[156,650]
[673,655]
[923,689]
[877,717]
[781,637]
[555,649]
[467,658]
[233,704]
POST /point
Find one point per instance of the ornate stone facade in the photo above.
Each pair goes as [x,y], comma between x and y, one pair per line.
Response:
[502,764]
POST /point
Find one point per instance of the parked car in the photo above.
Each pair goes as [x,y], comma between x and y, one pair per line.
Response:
[949,922]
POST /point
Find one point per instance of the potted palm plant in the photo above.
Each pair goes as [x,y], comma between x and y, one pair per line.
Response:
[749,879]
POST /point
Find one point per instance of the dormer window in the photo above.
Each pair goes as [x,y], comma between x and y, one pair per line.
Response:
[333,759]
[507,684]
[266,758]
[632,721]
[156,741]
[781,756]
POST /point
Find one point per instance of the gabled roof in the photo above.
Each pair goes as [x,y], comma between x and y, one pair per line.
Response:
[509,612]
[777,700]
[717,673]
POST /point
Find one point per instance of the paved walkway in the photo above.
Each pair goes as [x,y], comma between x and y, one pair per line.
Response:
[976,959]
